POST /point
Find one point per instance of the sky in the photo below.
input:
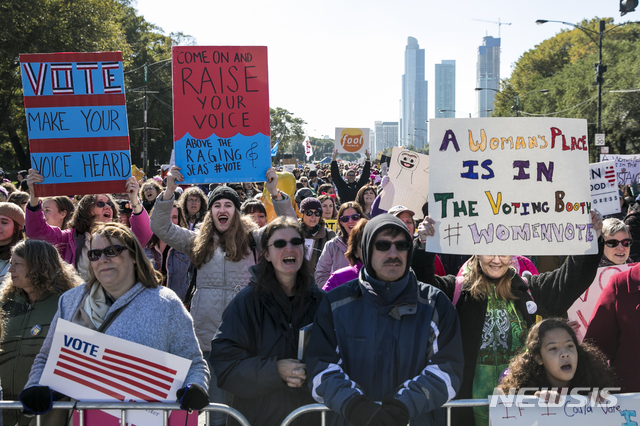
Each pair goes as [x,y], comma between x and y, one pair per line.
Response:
[339,63]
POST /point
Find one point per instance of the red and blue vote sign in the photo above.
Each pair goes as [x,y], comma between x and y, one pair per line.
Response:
[221,121]
[76,121]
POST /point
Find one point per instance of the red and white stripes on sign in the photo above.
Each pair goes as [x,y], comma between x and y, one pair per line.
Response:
[37,84]
[117,375]
[610,175]
[87,67]
[108,78]
[67,89]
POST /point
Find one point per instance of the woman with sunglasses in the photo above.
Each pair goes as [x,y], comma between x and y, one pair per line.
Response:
[315,232]
[123,298]
[333,255]
[617,243]
[72,243]
[255,352]
[29,300]
[222,250]
[497,307]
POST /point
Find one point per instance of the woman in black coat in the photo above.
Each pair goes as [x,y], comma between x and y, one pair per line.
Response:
[254,353]
[496,308]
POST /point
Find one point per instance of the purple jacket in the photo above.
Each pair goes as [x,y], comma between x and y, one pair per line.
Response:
[331,259]
[342,276]
[65,240]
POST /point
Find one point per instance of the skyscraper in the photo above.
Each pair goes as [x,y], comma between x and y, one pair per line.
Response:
[386,136]
[446,89]
[487,74]
[413,125]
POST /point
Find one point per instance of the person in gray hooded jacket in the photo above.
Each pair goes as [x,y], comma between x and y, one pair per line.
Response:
[385,337]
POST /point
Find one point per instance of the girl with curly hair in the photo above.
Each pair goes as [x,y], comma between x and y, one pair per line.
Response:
[555,359]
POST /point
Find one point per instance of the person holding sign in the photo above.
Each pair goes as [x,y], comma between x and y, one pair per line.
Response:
[123,298]
[251,356]
[29,300]
[496,307]
[92,209]
[347,190]
[222,250]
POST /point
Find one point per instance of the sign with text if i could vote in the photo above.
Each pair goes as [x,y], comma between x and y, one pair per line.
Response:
[221,121]
[76,121]
[510,186]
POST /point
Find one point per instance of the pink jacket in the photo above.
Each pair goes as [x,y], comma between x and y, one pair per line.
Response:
[64,240]
[331,259]
[342,276]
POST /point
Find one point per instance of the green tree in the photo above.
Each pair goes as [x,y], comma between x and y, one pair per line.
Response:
[288,130]
[564,65]
[45,26]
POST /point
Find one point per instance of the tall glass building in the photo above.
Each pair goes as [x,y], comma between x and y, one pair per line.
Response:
[386,136]
[487,74]
[446,89]
[413,125]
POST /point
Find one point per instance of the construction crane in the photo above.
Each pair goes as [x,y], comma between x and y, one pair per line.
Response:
[494,22]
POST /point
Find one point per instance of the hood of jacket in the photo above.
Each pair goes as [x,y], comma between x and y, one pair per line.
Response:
[374,227]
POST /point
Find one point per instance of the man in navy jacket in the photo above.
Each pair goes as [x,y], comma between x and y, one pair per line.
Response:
[385,349]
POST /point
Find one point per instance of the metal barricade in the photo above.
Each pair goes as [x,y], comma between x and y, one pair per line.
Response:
[166,408]
[312,408]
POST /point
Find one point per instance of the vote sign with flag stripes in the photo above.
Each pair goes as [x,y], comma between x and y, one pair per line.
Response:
[91,366]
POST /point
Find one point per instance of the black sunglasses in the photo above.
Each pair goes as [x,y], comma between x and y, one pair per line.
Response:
[111,251]
[386,245]
[355,217]
[295,241]
[312,212]
[614,243]
[101,204]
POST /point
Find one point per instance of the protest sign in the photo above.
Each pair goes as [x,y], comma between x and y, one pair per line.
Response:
[331,224]
[408,181]
[91,366]
[221,122]
[76,121]
[582,309]
[510,186]
[604,190]
[351,140]
[618,409]
[627,167]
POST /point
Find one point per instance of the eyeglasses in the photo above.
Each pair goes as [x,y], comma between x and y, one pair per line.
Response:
[111,251]
[312,212]
[354,217]
[384,245]
[101,204]
[614,243]
[296,241]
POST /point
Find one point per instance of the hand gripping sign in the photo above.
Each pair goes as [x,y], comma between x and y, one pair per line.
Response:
[90,366]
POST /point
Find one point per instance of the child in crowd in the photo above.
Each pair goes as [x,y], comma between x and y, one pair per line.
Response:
[554,359]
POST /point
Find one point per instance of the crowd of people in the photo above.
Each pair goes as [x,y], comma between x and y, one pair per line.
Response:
[231,275]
